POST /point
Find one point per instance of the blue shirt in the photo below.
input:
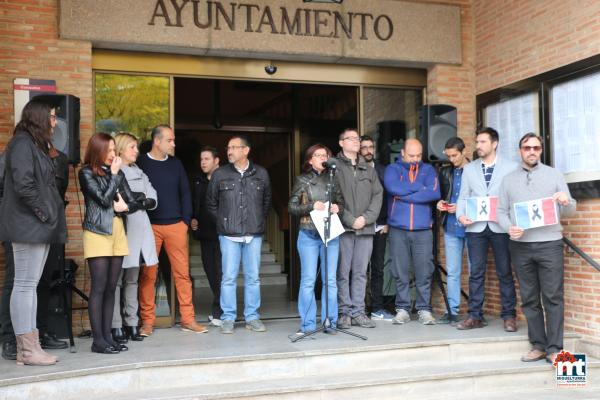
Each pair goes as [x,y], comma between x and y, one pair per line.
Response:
[453,227]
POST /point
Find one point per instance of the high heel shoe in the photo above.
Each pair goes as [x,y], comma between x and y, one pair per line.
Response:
[104,350]
[118,335]
[133,333]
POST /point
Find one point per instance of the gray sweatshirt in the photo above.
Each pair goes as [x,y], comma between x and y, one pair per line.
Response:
[524,184]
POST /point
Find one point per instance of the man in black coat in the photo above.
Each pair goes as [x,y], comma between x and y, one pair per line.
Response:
[204,229]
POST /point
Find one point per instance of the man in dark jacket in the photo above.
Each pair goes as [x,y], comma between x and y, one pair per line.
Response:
[239,199]
[454,232]
[204,229]
[363,195]
[378,311]
[412,186]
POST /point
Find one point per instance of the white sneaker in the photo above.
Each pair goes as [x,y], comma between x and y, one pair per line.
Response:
[426,318]
[214,321]
[401,317]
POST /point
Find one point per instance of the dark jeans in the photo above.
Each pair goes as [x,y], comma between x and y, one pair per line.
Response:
[377,265]
[478,244]
[415,246]
[540,271]
[211,261]
[6,328]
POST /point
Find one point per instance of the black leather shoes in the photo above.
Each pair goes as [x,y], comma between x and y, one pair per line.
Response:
[9,349]
[50,342]
[104,350]
[118,335]
[133,333]
[121,347]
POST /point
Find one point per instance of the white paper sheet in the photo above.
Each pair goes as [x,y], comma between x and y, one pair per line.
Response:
[336,228]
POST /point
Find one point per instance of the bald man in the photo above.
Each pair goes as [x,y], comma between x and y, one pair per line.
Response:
[412,186]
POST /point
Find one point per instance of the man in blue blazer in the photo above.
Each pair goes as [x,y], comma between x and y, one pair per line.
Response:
[482,178]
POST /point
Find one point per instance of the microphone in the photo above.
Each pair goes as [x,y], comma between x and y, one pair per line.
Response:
[329,164]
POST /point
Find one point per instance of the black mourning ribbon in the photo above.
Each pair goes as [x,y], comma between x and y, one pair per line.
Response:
[536,213]
[484,210]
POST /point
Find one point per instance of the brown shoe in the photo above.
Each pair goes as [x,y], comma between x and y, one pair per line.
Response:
[510,325]
[469,323]
[533,355]
[194,327]
[146,330]
[28,352]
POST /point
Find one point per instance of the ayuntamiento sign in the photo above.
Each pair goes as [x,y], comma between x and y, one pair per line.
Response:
[377,32]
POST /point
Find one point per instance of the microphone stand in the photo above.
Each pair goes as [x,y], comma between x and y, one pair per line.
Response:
[326,326]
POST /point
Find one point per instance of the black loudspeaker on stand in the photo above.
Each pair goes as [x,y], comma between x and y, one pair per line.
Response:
[66,131]
[438,123]
[326,325]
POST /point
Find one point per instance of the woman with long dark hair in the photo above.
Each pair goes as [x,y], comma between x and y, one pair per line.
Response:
[310,193]
[107,198]
[31,218]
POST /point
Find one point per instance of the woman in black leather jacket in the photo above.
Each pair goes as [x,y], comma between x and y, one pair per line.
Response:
[310,193]
[107,198]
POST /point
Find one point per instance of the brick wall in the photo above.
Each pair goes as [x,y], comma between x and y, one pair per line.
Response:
[30,48]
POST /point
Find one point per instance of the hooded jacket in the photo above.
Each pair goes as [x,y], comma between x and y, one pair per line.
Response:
[411,187]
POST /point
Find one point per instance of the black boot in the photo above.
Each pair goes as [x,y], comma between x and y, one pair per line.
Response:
[9,349]
[133,333]
[49,341]
[118,335]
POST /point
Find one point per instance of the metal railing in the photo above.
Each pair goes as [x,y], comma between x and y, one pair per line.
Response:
[582,253]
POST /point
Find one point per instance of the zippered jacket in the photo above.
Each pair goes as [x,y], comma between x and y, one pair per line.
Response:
[411,187]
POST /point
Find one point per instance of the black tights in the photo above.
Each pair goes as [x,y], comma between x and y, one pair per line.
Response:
[104,272]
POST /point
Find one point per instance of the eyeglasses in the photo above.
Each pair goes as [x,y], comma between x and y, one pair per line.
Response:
[234,147]
[531,148]
[352,138]
[53,117]
[320,155]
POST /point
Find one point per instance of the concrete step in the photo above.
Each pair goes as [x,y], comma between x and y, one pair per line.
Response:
[265,268]
[477,380]
[422,369]
[265,280]
[196,260]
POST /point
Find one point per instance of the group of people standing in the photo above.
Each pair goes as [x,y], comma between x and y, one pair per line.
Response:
[136,205]
[396,201]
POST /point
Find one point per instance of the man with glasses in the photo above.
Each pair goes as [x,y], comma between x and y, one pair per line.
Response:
[537,253]
[239,199]
[363,195]
[482,178]
[378,311]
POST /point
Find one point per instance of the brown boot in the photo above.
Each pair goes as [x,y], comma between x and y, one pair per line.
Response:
[39,345]
[28,353]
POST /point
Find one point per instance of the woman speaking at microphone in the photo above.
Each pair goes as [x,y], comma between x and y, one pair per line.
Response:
[107,198]
[310,193]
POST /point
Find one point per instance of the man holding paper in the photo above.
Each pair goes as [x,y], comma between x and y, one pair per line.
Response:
[532,200]
[476,209]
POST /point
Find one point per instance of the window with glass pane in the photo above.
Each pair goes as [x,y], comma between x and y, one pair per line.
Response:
[575,117]
[512,119]
[131,103]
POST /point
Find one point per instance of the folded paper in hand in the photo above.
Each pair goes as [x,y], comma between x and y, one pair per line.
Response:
[336,228]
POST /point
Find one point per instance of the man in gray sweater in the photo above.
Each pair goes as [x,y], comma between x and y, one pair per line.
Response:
[537,253]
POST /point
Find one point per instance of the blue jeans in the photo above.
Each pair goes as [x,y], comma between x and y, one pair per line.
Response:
[310,248]
[454,247]
[478,244]
[249,254]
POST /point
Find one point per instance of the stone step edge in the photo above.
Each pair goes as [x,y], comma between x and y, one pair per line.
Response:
[259,357]
[361,379]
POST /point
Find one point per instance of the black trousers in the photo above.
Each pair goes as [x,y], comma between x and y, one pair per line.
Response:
[540,271]
[211,261]
[43,290]
[377,265]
